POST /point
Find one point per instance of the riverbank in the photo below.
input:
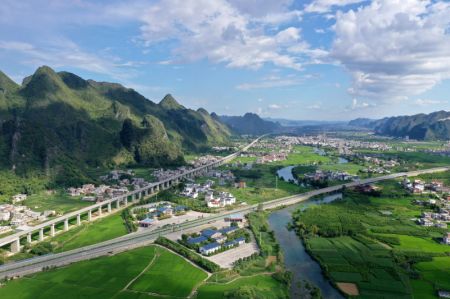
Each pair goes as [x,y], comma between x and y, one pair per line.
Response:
[371,244]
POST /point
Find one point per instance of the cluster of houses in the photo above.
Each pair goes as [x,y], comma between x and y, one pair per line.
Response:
[343,145]
[321,175]
[162,211]
[204,160]
[192,190]
[219,199]
[381,162]
[162,174]
[223,176]
[418,186]
[272,157]
[19,215]
[210,240]
[212,199]
[93,193]
[439,219]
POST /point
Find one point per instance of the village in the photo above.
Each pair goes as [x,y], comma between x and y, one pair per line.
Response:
[15,215]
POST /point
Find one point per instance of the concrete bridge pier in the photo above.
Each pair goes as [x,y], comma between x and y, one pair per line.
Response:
[109,208]
[126,201]
[78,219]
[90,215]
[41,234]
[29,238]
[66,224]
[100,210]
[15,246]
[52,230]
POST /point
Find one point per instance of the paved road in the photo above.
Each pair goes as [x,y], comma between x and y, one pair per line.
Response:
[11,238]
[143,238]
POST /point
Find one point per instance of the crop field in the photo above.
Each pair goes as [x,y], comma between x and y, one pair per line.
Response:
[305,155]
[127,275]
[372,241]
[435,275]
[104,229]
[369,266]
[265,286]
[169,270]
[350,167]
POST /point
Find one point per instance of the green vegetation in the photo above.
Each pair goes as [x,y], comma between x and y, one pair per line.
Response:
[60,126]
[103,229]
[189,254]
[169,275]
[305,155]
[59,201]
[137,273]
[420,126]
[370,240]
[260,286]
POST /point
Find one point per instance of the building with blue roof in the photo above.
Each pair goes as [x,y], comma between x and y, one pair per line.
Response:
[146,222]
[197,240]
[227,230]
[210,248]
[211,233]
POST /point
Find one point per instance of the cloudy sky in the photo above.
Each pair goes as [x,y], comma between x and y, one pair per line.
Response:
[320,59]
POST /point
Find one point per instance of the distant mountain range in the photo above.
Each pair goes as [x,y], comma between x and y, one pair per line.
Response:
[250,124]
[431,126]
[60,124]
[303,123]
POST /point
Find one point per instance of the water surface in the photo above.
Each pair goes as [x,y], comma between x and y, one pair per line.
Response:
[296,259]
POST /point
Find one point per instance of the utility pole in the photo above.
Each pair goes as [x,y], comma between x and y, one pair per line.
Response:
[276,181]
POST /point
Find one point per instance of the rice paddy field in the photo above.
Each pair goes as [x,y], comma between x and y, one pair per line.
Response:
[143,273]
[100,230]
[374,243]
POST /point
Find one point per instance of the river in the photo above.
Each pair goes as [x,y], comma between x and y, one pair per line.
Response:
[286,174]
[296,259]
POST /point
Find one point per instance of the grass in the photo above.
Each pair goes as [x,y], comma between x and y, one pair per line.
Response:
[169,270]
[370,266]
[305,155]
[356,242]
[267,288]
[103,229]
[107,277]
[59,201]
[422,244]
[435,273]
[350,167]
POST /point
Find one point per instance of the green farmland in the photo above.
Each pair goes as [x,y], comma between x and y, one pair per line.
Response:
[372,242]
[100,230]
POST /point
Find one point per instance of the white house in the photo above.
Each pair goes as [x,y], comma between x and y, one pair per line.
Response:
[447,239]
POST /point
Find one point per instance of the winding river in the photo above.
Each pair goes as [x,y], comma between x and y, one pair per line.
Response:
[296,259]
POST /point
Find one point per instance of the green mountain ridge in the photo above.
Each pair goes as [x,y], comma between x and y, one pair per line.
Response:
[62,125]
[433,126]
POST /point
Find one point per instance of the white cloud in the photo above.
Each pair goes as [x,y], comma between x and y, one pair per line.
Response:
[274,106]
[394,48]
[323,6]
[272,82]
[65,53]
[428,102]
[358,105]
[231,32]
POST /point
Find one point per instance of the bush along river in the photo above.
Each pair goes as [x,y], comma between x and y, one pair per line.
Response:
[296,259]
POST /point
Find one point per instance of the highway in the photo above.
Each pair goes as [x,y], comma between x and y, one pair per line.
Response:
[143,238]
[122,198]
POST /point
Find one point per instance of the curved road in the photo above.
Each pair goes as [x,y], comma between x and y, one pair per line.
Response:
[143,238]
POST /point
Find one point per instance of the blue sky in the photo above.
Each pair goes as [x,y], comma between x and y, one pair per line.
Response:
[320,59]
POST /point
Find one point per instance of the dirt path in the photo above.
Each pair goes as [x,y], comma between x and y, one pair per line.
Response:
[156,256]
